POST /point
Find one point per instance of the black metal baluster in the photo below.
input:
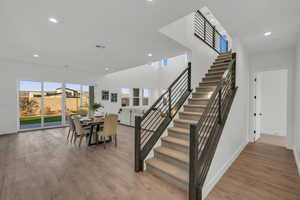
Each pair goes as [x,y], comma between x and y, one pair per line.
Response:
[204,31]
[193,160]
[220,106]
[214,37]
[170,102]
[189,76]
[137,145]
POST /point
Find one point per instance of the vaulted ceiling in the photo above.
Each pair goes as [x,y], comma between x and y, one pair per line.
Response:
[129,29]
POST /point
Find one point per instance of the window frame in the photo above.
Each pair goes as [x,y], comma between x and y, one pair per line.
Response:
[42,109]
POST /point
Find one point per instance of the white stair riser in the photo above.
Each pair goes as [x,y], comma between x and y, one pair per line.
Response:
[171,179]
[171,160]
[177,147]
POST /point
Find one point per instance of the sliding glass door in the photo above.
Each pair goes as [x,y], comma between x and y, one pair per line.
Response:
[46,104]
[85,98]
[30,104]
[72,101]
[52,104]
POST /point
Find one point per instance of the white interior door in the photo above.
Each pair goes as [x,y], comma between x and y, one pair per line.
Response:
[274,86]
[257,115]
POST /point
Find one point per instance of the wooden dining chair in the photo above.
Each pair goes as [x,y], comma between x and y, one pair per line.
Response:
[110,127]
[80,131]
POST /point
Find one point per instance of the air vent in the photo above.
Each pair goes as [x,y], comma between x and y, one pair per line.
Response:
[100,46]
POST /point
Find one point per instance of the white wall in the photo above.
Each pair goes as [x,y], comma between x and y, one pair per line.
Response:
[297,105]
[150,76]
[274,102]
[13,71]
[276,60]
[202,56]
[235,134]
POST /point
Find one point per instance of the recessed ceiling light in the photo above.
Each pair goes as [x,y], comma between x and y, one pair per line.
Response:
[106,69]
[100,46]
[149,0]
[53,20]
[150,54]
[36,55]
[268,33]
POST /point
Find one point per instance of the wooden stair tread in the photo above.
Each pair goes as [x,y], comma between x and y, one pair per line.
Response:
[201,98]
[201,93]
[176,141]
[191,113]
[179,130]
[187,121]
[195,106]
[210,81]
[207,86]
[169,169]
[214,76]
[212,73]
[218,67]
[178,155]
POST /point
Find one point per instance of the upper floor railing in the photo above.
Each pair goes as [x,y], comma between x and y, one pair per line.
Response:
[150,127]
[205,135]
[208,33]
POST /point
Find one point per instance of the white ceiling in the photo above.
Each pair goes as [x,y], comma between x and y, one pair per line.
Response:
[250,19]
[129,29]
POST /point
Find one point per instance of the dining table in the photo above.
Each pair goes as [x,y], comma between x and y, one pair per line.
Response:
[98,124]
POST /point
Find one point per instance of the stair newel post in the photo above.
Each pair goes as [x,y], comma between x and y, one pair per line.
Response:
[190,76]
[227,46]
[193,193]
[138,162]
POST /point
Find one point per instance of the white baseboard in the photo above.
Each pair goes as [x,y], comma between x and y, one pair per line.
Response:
[297,159]
[7,132]
[211,184]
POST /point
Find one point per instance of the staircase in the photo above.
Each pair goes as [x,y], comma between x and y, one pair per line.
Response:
[171,159]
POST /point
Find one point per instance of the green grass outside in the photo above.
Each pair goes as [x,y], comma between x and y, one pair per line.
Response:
[37,119]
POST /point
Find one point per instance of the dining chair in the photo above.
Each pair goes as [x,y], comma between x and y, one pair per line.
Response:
[71,127]
[80,131]
[110,127]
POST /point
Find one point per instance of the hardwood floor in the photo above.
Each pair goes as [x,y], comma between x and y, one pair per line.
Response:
[262,172]
[273,139]
[41,165]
